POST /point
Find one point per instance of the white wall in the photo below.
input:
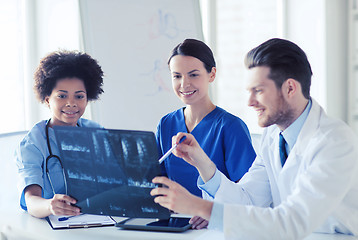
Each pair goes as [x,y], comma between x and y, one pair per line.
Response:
[336,12]
[319,27]
[306,27]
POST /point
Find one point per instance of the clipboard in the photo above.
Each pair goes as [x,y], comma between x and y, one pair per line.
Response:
[81,221]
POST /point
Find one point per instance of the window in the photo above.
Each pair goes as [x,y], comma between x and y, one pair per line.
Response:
[241,26]
[30,30]
[11,97]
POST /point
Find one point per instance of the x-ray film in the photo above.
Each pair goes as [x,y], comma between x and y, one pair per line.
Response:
[110,171]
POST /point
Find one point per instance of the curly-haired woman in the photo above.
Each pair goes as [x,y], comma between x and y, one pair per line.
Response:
[65,81]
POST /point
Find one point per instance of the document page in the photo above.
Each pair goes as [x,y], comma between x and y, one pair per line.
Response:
[83,220]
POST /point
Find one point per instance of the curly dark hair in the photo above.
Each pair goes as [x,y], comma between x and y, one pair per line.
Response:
[67,64]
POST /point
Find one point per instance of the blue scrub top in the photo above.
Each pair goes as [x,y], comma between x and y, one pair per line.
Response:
[224,137]
[30,157]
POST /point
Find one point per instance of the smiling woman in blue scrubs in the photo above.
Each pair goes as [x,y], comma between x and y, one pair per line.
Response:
[224,137]
[65,81]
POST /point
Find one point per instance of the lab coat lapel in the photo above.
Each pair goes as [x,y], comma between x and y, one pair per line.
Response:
[308,129]
[307,132]
[274,144]
[288,173]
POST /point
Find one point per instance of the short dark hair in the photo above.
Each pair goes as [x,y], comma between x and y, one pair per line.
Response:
[195,48]
[67,64]
[285,60]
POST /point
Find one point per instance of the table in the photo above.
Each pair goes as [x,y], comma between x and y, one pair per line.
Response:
[17,224]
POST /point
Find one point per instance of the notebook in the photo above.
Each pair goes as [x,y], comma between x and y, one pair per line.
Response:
[110,172]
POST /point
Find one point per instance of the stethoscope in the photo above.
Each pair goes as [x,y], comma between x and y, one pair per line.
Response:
[53,156]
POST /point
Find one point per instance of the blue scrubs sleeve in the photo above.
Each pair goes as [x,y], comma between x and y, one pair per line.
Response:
[239,152]
[29,162]
[158,137]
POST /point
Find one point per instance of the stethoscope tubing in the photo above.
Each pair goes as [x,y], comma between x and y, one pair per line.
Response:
[52,156]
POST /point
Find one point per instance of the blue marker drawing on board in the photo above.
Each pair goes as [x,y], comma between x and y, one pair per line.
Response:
[161,24]
[155,74]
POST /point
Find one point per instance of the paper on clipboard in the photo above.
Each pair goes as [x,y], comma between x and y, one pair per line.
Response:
[81,221]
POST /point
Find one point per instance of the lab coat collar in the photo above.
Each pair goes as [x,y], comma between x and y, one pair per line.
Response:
[309,128]
[306,133]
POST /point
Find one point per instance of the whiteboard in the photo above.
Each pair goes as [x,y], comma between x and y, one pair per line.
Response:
[132,40]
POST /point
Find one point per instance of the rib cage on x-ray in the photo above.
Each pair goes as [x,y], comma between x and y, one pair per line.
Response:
[110,171]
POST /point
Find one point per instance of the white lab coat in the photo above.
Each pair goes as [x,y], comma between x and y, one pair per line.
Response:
[316,190]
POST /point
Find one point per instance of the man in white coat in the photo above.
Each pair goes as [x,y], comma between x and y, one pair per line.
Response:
[305,176]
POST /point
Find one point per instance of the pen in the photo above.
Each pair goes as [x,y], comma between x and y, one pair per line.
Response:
[170,150]
[61,219]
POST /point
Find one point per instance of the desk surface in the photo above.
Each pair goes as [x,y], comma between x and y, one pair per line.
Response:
[20,225]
